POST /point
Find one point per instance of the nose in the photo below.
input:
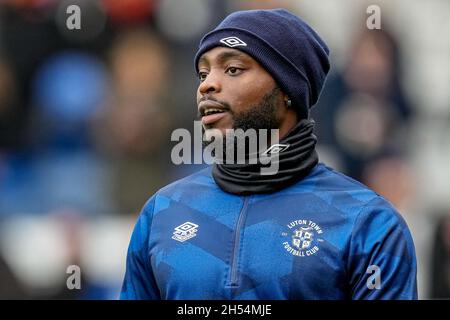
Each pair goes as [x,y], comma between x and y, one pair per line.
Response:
[211,84]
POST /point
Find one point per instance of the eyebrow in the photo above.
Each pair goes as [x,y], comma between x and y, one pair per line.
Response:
[222,57]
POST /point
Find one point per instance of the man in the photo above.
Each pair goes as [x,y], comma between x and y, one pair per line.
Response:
[230,232]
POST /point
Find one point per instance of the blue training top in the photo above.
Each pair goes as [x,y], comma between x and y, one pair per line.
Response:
[325,237]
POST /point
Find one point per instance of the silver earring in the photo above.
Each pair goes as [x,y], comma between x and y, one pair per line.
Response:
[288,103]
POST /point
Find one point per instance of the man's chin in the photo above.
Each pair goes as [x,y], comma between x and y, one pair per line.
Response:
[214,132]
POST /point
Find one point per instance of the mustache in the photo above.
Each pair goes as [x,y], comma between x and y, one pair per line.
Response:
[207,97]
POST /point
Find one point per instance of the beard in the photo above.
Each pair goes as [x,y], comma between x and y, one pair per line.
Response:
[260,116]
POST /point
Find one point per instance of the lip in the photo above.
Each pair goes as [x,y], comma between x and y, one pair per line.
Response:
[210,104]
[207,120]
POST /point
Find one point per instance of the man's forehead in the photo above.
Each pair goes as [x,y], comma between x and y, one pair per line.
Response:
[220,54]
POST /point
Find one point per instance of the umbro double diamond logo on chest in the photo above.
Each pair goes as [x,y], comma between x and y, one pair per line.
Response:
[185,231]
[233,42]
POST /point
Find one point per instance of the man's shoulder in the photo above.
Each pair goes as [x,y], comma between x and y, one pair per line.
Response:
[344,192]
[327,179]
[198,179]
[191,184]
[346,197]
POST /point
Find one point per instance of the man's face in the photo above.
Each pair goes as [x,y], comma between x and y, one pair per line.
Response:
[235,91]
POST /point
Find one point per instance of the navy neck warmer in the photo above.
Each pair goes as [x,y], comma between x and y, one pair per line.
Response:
[294,164]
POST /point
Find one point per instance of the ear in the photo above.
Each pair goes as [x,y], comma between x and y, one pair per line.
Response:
[287,101]
[285,98]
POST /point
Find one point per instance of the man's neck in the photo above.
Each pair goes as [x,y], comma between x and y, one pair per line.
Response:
[289,121]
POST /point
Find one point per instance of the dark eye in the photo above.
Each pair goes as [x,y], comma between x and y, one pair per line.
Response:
[202,76]
[233,71]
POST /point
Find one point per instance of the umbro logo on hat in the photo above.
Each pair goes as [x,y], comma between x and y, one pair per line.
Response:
[233,42]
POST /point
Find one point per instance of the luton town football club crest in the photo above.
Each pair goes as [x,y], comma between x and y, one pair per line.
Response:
[302,238]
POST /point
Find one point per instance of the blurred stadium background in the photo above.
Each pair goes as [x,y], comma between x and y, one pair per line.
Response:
[86,117]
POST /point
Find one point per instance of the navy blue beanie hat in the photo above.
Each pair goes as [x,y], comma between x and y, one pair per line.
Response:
[290,50]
